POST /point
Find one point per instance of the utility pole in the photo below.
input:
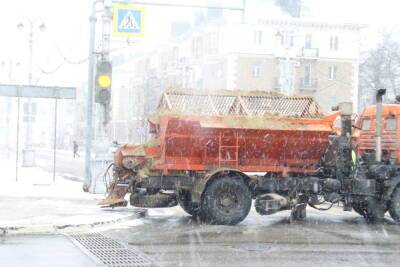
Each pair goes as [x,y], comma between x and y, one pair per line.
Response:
[106,31]
[243,11]
[89,100]
[96,132]
[28,154]
[105,56]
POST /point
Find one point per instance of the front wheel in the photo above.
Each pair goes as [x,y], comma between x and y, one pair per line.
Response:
[226,201]
[394,206]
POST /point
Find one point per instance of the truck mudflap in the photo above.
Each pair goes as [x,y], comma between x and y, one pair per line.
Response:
[115,195]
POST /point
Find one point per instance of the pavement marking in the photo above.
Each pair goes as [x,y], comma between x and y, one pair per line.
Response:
[106,251]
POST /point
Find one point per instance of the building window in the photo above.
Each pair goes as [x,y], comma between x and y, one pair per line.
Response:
[366,124]
[258,37]
[307,75]
[308,43]
[334,43]
[197,47]
[391,124]
[256,70]
[332,72]
[287,40]
[212,43]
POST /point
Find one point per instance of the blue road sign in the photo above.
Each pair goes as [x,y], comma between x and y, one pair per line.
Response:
[127,20]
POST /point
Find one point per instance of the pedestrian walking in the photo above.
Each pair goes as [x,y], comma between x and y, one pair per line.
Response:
[76,147]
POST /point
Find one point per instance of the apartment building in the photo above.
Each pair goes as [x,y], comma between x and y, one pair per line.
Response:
[286,55]
[292,56]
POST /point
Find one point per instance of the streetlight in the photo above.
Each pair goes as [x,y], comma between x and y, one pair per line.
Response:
[28,153]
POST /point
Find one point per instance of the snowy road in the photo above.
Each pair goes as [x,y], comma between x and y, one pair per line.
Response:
[171,238]
[66,163]
[330,239]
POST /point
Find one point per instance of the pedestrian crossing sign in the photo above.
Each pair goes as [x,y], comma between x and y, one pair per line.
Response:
[127,20]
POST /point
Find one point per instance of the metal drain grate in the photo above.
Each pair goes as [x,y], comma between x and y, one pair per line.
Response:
[109,252]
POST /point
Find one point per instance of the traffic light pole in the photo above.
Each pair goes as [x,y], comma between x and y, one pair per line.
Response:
[89,100]
[90,128]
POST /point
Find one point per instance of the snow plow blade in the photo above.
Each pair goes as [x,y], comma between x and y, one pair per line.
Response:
[115,196]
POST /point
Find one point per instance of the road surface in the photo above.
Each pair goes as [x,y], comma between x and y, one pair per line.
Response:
[66,164]
[171,238]
[323,239]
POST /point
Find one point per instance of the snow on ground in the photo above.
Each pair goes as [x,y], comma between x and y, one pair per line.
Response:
[34,182]
[35,203]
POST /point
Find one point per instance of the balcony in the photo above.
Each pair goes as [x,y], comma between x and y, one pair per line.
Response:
[310,53]
[308,85]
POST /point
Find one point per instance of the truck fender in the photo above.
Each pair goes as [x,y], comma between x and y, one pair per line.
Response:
[393,183]
[201,184]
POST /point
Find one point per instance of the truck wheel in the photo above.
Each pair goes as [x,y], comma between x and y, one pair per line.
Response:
[373,210]
[185,201]
[394,206]
[226,201]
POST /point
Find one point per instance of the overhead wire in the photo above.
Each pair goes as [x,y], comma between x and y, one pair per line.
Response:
[64,59]
[49,72]
[67,60]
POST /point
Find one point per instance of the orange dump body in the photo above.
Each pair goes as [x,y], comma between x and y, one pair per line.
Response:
[365,135]
[201,143]
[247,131]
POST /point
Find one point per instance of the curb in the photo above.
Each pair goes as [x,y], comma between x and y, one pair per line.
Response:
[64,228]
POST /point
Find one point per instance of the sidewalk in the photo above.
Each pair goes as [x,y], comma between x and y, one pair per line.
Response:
[34,204]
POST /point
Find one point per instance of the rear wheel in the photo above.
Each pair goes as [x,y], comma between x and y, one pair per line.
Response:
[226,201]
[372,210]
[394,206]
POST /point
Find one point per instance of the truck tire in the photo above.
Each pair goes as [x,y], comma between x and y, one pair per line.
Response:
[185,201]
[153,201]
[226,201]
[372,210]
[394,206]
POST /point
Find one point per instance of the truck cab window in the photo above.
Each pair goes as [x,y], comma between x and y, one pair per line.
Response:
[366,124]
[391,124]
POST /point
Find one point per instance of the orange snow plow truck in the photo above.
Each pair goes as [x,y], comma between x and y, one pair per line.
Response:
[213,153]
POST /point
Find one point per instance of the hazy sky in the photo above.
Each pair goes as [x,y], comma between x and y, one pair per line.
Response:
[67,29]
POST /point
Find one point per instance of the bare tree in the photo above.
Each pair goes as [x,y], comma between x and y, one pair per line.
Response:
[380,68]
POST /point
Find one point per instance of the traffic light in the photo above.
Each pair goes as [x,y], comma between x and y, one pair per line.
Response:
[103,82]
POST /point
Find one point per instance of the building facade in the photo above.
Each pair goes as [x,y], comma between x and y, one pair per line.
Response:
[291,56]
[286,55]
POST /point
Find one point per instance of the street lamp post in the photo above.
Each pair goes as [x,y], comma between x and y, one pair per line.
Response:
[28,153]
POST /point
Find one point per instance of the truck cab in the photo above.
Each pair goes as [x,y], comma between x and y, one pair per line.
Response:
[364,133]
